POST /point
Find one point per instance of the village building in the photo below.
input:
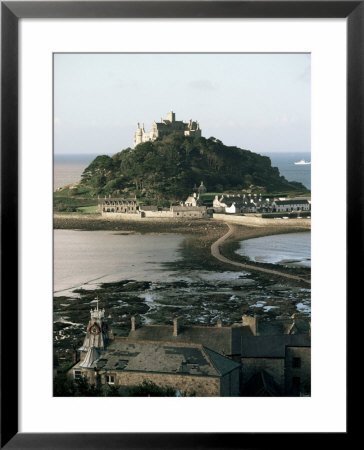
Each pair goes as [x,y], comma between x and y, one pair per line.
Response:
[190,212]
[253,203]
[118,205]
[118,208]
[193,200]
[291,205]
[166,126]
[238,204]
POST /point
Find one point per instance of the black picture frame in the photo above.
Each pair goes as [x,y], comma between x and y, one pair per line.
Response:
[11,12]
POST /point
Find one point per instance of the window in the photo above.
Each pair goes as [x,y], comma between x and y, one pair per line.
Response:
[296,363]
[77,374]
[110,379]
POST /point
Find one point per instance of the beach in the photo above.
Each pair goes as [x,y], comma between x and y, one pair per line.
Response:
[201,233]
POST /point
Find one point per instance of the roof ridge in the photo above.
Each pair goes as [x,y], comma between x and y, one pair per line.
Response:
[219,355]
[210,359]
[189,326]
[177,343]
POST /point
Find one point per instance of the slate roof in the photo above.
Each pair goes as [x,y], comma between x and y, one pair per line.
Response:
[148,208]
[269,328]
[188,208]
[272,346]
[128,355]
[291,202]
[223,340]
[224,365]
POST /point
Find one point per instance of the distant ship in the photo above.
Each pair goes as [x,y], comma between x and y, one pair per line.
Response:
[302,163]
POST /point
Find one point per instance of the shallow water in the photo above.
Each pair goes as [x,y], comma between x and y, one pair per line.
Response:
[291,250]
[87,258]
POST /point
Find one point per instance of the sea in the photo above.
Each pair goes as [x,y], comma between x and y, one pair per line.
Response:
[286,165]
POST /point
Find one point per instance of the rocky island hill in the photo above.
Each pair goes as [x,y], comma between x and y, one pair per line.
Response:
[165,170]
[162,173]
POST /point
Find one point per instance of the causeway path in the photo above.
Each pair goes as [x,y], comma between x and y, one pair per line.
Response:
[215,252]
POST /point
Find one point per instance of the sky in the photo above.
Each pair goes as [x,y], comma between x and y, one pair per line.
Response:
[259,102]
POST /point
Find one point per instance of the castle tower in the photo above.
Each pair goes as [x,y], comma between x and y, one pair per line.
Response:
[96,336]
[166,126]
[138,135]
[171,116]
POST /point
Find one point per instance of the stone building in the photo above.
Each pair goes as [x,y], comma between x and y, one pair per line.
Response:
[275,356]
[242,204]
[193,200]
[225,340]
[118,208]
[190,368]
[250,358]
[118,205]
[291,205]
[285,358]
[166,126]
[190,212]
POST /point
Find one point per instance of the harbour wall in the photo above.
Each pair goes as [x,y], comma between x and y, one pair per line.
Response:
[258,221]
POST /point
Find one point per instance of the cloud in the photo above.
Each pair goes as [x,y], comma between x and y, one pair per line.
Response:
[206,85]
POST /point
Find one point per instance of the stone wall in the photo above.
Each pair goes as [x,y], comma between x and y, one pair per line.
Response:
[257,221]
[187,384]
[190,214]
[299,368]
[120,216]
[157,214]
[201,386]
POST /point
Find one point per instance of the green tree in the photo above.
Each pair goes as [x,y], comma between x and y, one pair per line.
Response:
[165,170]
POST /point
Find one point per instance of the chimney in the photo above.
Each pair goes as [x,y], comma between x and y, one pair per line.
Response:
[75,357]
[132,318]
[250,322]
[219,323]
[176,325]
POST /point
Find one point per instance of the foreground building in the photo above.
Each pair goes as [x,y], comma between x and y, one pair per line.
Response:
[166,126]
[249,358]
[190,368]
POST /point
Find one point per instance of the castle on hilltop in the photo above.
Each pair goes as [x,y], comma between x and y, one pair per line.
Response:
[166,126]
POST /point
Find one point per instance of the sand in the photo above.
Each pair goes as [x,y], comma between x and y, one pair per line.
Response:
[202,232]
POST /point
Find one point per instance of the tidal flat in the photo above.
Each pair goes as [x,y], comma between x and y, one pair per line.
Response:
[194,285]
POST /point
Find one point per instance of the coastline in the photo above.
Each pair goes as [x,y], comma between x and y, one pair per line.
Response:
[201,234]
